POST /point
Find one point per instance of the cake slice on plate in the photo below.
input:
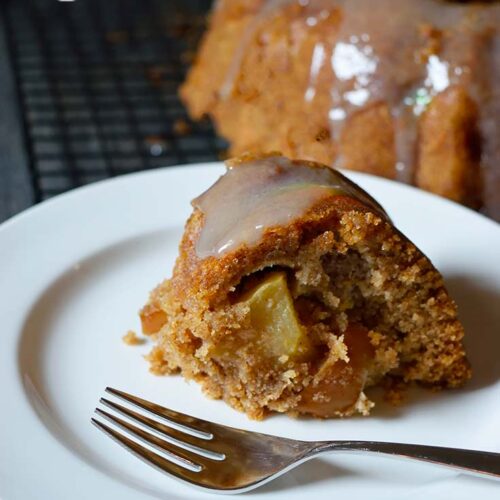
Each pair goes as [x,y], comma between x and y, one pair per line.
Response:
[293,292]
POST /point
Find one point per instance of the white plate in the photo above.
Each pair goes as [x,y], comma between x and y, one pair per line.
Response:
[75,270]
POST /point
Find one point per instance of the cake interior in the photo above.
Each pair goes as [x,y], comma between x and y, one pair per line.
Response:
[308,333]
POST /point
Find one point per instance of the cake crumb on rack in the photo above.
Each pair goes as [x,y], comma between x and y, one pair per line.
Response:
[181,127]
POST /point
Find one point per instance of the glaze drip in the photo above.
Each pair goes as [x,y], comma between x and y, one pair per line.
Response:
[402,61]
[263,193]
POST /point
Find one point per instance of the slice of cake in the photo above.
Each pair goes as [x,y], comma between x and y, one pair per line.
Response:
[293,292]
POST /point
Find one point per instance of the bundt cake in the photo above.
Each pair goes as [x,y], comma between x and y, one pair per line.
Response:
[293,292]
[405,89]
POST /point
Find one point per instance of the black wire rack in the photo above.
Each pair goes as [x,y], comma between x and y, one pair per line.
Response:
[98,83]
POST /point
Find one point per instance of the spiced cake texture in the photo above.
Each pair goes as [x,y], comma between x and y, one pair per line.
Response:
[366,303]
[404,89]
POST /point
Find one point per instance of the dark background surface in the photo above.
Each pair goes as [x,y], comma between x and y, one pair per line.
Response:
[88,91]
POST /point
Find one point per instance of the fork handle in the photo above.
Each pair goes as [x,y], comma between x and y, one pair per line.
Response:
[484,463]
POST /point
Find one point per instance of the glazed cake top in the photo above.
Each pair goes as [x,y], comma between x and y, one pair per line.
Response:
[403,52]
[262,193]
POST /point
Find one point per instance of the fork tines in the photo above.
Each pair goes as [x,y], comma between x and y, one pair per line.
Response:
[173,445]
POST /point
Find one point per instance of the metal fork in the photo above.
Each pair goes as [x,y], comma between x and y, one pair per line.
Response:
[223,459]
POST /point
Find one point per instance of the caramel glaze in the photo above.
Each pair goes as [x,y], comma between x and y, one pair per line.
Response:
[262,193]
